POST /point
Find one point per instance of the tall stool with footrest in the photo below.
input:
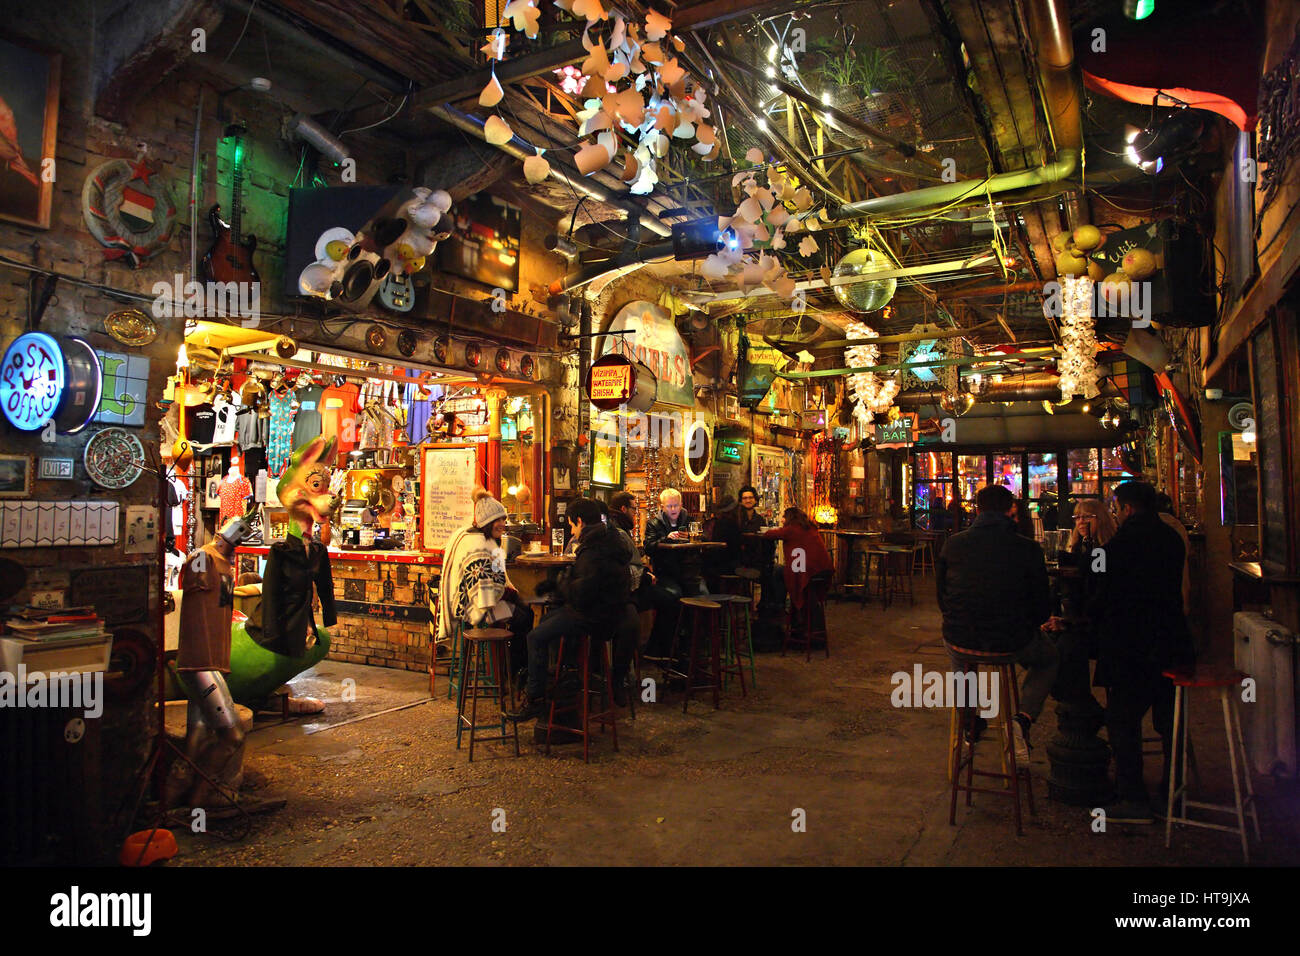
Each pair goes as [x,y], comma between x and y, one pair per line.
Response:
[814,608]
[483,677]
[1012,776]
[1228,682]
[605,714]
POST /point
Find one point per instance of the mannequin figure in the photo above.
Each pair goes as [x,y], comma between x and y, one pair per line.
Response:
[214,739]
[233,491]
[298,562]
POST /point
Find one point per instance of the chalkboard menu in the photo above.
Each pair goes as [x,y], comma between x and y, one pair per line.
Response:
[448,477]
[1270,453]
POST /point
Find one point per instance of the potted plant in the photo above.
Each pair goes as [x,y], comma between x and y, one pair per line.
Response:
[862,82]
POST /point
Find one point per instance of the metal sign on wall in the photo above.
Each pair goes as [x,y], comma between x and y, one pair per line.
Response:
[652,340]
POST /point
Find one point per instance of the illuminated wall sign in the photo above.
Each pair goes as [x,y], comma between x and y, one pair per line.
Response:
[900,433]
[31,380]
[730,451]
[652,340]
[609,382]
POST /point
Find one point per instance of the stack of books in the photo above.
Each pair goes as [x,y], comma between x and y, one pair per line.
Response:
[51,625]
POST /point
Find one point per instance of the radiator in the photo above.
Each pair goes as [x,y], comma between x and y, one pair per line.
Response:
[1266,651]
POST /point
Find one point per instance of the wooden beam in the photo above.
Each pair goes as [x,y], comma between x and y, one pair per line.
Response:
[512,70]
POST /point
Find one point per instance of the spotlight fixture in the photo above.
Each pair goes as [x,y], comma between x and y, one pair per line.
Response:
[1172,139]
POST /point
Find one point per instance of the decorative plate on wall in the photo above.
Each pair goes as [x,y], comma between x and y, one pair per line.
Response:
[406,342]
[113,458]
[131,327]
[375,337]
[473,355]
[440,348]
[527,367]
[503,360]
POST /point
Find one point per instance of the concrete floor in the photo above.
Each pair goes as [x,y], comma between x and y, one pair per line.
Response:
[708,788]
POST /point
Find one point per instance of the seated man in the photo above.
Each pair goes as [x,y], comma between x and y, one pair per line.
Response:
[677,572]
[596,591]
[994,595]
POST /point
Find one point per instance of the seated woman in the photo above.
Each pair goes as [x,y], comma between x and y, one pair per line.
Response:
[724,527]
[806,556]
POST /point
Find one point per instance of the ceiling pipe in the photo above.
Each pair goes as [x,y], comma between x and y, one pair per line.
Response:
[1049,23]
[998,392]
[1028,286]
[522,149]
[934,196]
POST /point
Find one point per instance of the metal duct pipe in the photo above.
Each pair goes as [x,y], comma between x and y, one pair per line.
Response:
[1003,392]
[934,196]
[1049,22]
[619,264]
[522,149]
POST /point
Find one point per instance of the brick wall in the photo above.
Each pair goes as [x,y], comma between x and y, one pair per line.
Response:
[360,639]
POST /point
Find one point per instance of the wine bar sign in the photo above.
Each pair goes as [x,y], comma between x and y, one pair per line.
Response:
[900,433]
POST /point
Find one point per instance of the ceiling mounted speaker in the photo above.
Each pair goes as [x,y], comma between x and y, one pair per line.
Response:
[1240,414]
[503,360]
[527,367]
[286,347]
[441,349]
[473,355]
[375,337]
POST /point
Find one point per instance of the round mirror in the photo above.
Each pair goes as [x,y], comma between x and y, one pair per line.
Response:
[699,451]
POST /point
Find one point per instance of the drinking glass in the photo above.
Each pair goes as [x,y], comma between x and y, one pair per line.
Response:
[557,541]
[697,531]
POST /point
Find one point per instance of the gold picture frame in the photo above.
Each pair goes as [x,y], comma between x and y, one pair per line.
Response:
[29,91]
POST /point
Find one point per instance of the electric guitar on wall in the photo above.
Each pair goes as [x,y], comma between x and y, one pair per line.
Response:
[230,259]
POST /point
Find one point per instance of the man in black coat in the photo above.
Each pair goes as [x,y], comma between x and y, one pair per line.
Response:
[1141,632]
[994,595]
[595,592]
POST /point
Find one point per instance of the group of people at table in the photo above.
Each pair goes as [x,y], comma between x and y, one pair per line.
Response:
[611,580]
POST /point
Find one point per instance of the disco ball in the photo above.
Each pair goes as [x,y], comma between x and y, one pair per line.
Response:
[865,296]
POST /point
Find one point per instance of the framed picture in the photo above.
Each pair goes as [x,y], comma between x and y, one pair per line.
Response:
[29,91]
[212,491]
[15,476]
[606,464]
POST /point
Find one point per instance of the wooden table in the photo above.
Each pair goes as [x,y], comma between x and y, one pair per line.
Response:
[533,559]
[530,569]
[701,545]
[844,569]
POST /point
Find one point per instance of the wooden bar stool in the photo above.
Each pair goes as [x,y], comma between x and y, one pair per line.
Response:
[483,677]
[1228,681]
[1004,665]
[606,715]
[814,600]
[923,555]
[751,577]
[703,661]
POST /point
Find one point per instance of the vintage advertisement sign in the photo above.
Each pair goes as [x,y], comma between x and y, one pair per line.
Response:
[652,339]
[609,382]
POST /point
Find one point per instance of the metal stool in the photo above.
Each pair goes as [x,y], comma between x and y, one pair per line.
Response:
[607,716]
[1223,680]
[482,676]
[1008,705]
[706,626]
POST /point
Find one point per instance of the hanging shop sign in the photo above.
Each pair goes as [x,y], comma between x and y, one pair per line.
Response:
[32,380]
[900,433]
[651,339]
[616,382]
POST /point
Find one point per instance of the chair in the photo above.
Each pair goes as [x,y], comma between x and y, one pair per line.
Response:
[737,628]
[1004,665]
[482,677]
[814,599]
[1226,681]
[606,716]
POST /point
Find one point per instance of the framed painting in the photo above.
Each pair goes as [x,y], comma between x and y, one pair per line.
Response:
[29,109]
[15,476]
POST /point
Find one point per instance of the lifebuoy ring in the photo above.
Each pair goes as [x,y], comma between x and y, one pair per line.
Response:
[102,199]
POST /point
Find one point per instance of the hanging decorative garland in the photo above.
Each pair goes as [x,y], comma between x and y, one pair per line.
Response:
[1078,361]
[874,393]
[126,212]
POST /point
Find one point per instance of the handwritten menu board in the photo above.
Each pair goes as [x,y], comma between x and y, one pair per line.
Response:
[448,476]
[1270,450]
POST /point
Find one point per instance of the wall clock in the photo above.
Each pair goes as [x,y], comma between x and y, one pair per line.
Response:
[114,458]
[31,380]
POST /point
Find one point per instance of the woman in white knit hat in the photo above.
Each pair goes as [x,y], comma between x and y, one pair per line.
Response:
[474,587]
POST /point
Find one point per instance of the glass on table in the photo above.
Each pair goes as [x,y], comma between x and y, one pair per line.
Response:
[697,531]
[557,541]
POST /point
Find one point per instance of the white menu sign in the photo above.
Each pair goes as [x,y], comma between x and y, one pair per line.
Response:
[449,476]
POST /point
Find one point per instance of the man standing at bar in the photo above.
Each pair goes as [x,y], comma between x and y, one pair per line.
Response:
[1141,632]
[995,597]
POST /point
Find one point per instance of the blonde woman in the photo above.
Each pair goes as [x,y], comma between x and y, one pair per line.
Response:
[1093,525]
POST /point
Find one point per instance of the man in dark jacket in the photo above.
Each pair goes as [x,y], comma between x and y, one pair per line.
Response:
[595,592]
[1141,631]
[994,595]
[677,573]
